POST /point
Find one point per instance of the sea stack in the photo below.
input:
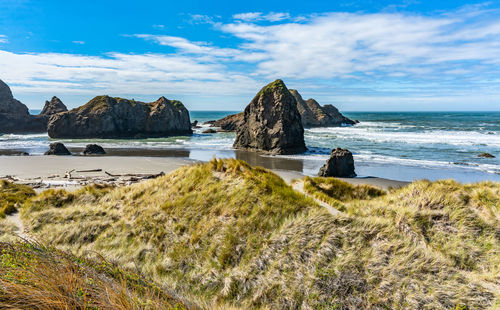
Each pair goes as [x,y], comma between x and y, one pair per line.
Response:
[340,164]
[57,148]
[272,123]
[53,106]
[108,117]
[14,115]
[315,115]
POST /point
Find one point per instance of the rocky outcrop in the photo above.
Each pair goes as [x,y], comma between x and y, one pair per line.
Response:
[57,148]
[108,117]
[53,106]
[315,115]
[486,155]
[340,164]
[14,115]
[209,131]
[272,123]
[93,149]
[230,122]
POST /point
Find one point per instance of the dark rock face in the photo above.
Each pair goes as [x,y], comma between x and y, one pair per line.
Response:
[53,106]
[15,117]
[340,164]
[230,122]
[93,149]
[272,123]
[194,124]
[107,117]
[209,131]
[314,115]
[486,155]
[57,149]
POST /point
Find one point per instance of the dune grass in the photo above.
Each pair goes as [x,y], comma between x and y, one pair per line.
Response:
[11,196]
[36,277]
[335,191]
[234,235]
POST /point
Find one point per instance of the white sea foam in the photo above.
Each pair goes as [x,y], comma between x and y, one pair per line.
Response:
[424,137]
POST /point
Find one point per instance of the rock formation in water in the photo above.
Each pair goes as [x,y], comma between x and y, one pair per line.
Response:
[53,106]
[108,117]
[14,115]
[230,122]
[93,149]
[340,164]
[57,148]
[272,123]
[314,115]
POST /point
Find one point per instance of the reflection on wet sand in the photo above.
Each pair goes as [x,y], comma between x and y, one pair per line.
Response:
[270,162]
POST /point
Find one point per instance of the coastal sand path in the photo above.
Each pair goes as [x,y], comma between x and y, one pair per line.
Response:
[299,187]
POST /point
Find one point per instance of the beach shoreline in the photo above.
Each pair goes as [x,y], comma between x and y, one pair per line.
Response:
[50,171]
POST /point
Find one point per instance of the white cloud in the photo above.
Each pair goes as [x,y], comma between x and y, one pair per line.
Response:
[258,16]
[190,47]
[3,38]
[338,44]
[79,42]
[119,73]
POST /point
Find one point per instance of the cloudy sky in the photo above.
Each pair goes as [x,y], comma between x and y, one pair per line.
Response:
[215,55]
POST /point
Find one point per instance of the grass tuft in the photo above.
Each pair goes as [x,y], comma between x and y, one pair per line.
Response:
[12,196]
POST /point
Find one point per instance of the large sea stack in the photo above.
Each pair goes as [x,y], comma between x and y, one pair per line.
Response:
[315,115]
[14,115]
[108,117]
[272,123]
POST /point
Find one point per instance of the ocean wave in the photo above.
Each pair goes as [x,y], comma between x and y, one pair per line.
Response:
[456,138]
[366,158]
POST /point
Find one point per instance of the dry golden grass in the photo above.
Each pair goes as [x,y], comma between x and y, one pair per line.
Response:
[35,277]
[12,195]
[240,237]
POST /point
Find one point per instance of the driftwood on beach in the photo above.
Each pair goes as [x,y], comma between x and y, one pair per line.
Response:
[69,179]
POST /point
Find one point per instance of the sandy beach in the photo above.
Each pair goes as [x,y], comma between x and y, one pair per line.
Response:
[51,170]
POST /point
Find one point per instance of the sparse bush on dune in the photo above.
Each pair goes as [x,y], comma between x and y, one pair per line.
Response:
[234,235]
[36,277]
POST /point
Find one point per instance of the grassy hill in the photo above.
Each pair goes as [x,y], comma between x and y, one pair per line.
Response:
[228,234]
[36,277]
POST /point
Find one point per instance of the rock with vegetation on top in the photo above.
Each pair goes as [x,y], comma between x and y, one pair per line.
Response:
[486,155]
[271,122]
[15,116]
[314,115]
[54,106]
[57,148]
[340,164]
[93,149]
[108,117]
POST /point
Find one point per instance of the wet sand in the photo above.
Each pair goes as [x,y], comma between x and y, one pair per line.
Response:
[46,167]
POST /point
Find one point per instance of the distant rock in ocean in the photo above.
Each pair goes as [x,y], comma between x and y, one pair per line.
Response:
[271,122]
[108,117]
[53,106]
[230,122]
[312,115]
[15,116]
[486,155]
[315,115]
[340,164]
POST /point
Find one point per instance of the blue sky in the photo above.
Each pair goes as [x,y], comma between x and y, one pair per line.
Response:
[215,55]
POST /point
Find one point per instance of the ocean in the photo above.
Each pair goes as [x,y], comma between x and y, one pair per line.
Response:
[397,145]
